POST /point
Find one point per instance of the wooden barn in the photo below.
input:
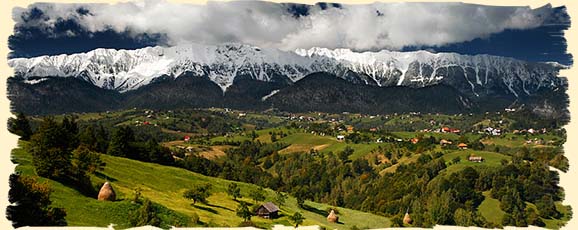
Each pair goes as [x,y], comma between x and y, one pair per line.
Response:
[267,210]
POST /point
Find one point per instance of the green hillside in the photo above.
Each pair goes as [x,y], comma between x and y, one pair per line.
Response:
[165,185]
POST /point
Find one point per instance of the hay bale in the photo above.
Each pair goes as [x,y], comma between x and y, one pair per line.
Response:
[106,193]
[407,219]
[332,217]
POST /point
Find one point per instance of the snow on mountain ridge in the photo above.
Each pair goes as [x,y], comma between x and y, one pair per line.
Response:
[125,70]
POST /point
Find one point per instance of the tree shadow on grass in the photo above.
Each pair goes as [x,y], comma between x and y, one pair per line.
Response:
[314,210]
[205,208]
[105,177]
[318,211]
[217,206]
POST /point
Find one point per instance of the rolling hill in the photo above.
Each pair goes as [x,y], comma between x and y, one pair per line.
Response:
[165,185]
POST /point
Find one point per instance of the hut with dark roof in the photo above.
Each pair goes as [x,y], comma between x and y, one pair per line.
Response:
[106,192]
[267,210]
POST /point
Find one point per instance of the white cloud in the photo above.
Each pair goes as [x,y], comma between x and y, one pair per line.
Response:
[271,25]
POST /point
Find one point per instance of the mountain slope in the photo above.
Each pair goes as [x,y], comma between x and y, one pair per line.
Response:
[316,92]
[126,70]
[60,95]
[323,92]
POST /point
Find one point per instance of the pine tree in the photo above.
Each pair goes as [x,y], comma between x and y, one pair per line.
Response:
[20,126]
[280,198]
[101,137]
[49,148]
[244,212]
[145,215]
[32,204]
[258,194]
[85,162]
[120,139]
[297,218]
[546,207]
[71,132]
[234,191]
[87,138]
[463,217]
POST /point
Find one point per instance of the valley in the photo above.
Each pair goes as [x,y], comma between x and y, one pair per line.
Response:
[357,164]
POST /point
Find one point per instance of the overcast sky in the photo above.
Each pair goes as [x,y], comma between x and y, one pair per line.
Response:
[393,26]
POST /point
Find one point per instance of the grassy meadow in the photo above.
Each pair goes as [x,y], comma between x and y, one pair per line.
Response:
[165,185]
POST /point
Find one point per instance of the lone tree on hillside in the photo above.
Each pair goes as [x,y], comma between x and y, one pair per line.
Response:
[280,198]
[244,212]
[297,218]
[199,194]
[258,194]
[234,191]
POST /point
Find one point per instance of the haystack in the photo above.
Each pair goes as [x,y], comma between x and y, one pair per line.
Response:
[332,217]
[407,219]
[106,192]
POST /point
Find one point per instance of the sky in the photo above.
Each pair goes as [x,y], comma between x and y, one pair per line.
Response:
[519,32]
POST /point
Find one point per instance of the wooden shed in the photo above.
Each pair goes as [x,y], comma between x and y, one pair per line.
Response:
[267,210]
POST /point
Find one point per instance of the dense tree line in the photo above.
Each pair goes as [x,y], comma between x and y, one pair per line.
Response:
[431,197]
[31,205]
[123,143]
[57,153]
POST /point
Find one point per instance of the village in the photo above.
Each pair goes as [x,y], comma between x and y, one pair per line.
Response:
[354,129]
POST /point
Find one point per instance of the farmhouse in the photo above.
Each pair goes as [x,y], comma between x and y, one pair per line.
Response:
[267,210]
[474,158]
[414,140]
[450,130]
[349,129]
[493,131]
[445,142]
[340,137]
[462,146]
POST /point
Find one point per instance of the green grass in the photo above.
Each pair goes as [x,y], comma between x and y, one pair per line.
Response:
[490,209]
[407,135]
[516,140]
[303,142]
[81,210]
[491,159]
[328,144]
[165,185]
[558,223]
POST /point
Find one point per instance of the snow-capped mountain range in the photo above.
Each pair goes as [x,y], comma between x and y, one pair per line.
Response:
[126,70]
